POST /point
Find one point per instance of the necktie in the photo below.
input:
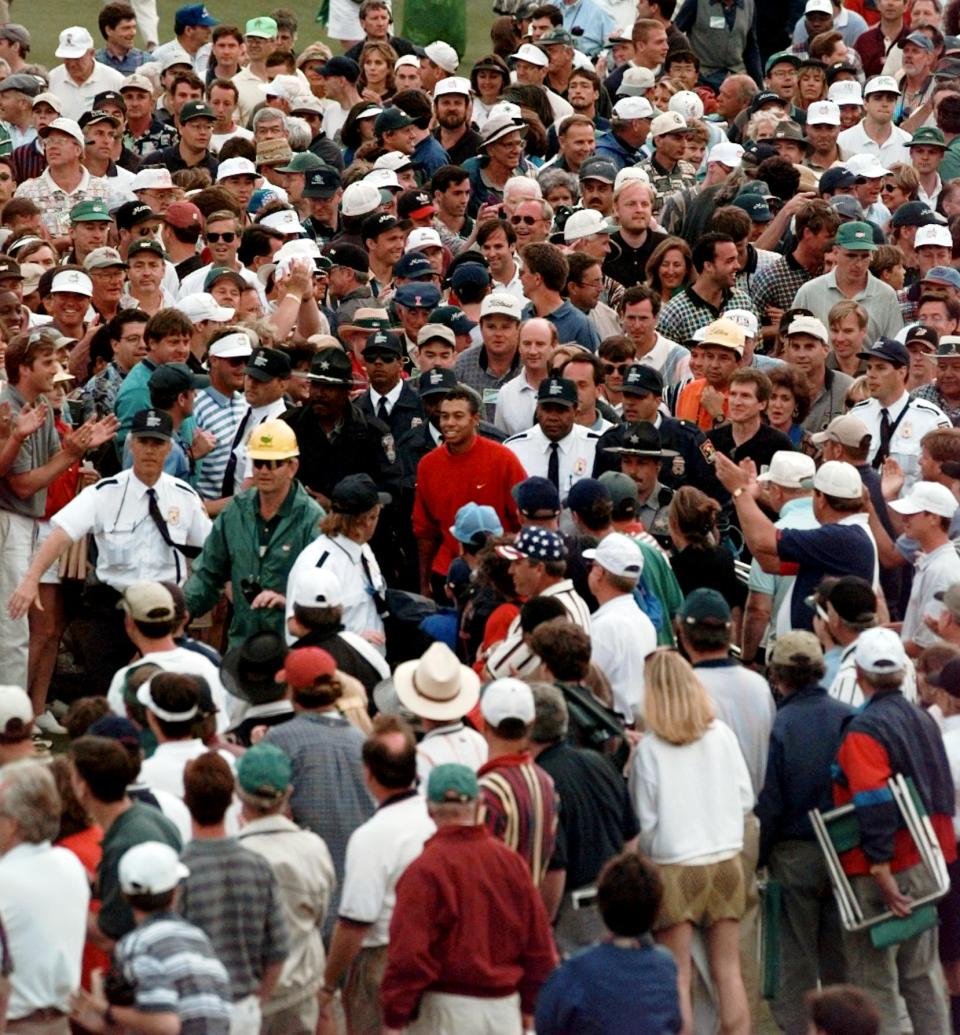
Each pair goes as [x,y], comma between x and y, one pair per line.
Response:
[885,435]
[382,412]
[230,471]
[553,465]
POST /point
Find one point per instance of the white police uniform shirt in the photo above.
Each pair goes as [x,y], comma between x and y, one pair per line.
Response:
[576,454]
[130,547]
[913,419]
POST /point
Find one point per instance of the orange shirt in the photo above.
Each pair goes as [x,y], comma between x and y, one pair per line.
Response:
[689,408]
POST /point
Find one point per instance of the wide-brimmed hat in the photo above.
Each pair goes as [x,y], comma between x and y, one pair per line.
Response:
[641,439]
[249,670]
[436,686]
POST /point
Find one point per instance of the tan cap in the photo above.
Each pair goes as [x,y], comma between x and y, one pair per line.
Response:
[797,647]
[726,334]
[846,429]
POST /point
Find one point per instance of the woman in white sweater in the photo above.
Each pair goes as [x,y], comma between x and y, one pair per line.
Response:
[691,789]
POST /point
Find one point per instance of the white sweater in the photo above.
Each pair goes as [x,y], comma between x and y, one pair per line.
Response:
[690,800]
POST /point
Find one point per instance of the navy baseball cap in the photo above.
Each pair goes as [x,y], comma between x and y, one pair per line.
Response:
[585,493]
[755,206]
[341,65]
[470,273]
[437,381]
[414,266]
[454,318]
[642,380]
[536,497]
[888,349]
[323,182]
[559,390]
[838,178]
[382,342]
[912,213]
[418,296]
[704,605]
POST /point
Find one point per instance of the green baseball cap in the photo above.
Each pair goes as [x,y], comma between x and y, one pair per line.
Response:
[93,210]
[265,28]
[264,770]
[302,162]
[196,110]
[928,136]
[705,605]
[855,237]
[452,782]
[781,57]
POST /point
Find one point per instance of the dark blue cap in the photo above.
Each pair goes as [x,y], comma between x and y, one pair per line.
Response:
[453,317]
[414,266]
[642,380]
[470,273]
[911,213]
[383,341]
[889,350]
[321,183]
[559,390]
[584,494]
[341,65]
[754,205]
[536,496]
[839,178]
[418,296]
[437,381]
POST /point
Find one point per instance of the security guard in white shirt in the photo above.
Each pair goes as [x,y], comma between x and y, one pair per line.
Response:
[556,447]
[146,525]
[896,422]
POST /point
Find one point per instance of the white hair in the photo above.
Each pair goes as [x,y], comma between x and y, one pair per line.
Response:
[521,188]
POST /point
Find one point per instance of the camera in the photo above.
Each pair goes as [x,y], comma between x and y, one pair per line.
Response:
[251,589]
[118,989]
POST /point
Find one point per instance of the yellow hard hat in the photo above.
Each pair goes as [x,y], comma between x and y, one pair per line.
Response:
[272,440]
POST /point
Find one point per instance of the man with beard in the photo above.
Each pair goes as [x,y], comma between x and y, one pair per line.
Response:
[452,109]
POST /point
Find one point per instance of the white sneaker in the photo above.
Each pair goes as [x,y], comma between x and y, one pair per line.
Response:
[47,723]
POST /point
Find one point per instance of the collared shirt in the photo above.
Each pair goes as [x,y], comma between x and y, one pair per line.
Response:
[165,767]
[157,137]
[391,398]
[471,369]
[221,416]
[19,137]
[594,22]
[934,573]
[830,403]
[172,159]
[516,407]
[453,742]
[931,199]
[129,544]
[667,181]
[251,90]
[512,286]
[821,294]
[78,97]
[854,141]
[41,447]
[846,689]
[577,452]
[687,312]
[918,417]
[571,324]
[55,203]
[622,636]
[100,392]
[776,285]
[671,360]
[128,63]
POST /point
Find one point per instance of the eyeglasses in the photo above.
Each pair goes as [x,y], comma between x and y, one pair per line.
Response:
[145,231]
[381,357]
[527,220]
[270,465]
[234,361]
[228,238]
[616,368]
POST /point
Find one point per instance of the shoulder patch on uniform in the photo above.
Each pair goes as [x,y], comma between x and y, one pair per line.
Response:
[105,482]
[519,437]
[862,403]
[183,487]
[924,404]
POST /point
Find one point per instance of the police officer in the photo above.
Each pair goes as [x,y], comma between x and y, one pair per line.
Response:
[556,447]
[642,400]
[145,523]
[641,456]
[896,422]
[389,398]
[321,191]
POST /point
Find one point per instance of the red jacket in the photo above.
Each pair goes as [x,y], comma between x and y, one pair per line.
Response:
[467,921]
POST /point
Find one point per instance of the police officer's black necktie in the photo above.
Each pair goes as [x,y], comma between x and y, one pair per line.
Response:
[553,465]
[230,471]
[885,435]
[382,412]
[158,520]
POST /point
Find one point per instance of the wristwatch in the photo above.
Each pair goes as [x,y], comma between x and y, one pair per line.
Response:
[737,493]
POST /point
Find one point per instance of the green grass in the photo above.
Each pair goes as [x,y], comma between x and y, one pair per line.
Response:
[55,17]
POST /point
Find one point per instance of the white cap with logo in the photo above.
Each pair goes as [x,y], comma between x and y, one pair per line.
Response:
[927,497]
[789,470]
[150,868]
[499,303]
[617,554]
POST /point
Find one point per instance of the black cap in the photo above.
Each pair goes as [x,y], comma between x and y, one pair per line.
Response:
[437,381]
[839,178]
[349,255]
[322,182]
[642,380]
[536,496]
[927,335]
[391,119]
[911,213]
[146,245]
[413,201]
[109,97]
[10,269]
[559,390]
[889,350]
[132,214]
[762,98]
[383,341]
[340,65]
[854,600]
[88,118]
[414,266]
[249,670]
[266,364]
[948,678]
[332,366]
[641,439]
[196,110]
[378,223]
[152,424]
[356,494]
[175,377]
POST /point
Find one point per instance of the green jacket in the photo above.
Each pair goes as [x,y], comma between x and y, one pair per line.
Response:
[949,167]
[231,554]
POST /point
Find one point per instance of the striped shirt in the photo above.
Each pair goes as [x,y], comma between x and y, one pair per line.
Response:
[453,742]
[221,416]
[231,894]
[520,808]
[172,965]
[846,689]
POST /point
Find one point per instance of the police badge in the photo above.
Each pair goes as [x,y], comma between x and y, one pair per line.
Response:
[390,448]
[679,467]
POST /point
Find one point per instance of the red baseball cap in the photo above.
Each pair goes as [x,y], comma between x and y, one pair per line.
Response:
[183,214]
[305,666]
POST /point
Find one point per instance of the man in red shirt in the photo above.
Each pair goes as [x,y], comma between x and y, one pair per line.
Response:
[470,942]
[464,468]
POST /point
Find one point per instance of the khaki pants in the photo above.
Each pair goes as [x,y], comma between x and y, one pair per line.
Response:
[445,1014]
[298,1019]
[361,991]
[811,937]
[750,921]
[912,966]
[43,1022]
[18,536]
[245,1016]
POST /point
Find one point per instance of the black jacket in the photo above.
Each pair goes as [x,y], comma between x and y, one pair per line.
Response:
[406,414]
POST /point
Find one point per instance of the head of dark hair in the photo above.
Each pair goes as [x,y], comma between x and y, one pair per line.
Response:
[175,692]
[706,636]
[220,31]
[447,176]
[793,380]
[164,322]
[208,787]
[158,903]
[563,647]
[780,176]
[396,769]
[732,221]
[83,713]
[682,55]
[111,15]
[537,610]
[705,249]
[104,766]
[578,263]
[464,394]
[487,229]
[843,1010]
[629,891]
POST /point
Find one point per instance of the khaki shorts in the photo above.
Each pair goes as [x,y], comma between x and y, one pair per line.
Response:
[701,895]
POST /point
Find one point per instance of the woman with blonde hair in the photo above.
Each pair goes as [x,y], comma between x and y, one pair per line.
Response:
[691,790]
[376,63]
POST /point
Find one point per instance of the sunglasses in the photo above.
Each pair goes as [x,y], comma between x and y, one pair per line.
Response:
[528,220]
[615,368]
[145,231]
[270,465]
[228,238]
[889,187]
[381,357]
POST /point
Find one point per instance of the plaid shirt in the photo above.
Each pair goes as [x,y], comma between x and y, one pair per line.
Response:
[100,392]
[682,176]
[472,370]
[687,312]
[777,284]
[55,203]
[232,896]
[932,394]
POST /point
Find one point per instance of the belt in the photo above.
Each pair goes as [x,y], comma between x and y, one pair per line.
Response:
[48,1013]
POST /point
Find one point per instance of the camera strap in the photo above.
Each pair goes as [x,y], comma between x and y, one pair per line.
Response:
[190,552]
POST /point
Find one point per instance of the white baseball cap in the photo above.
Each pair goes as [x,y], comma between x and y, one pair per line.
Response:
[285,86]
[586,222]
[789,469]
[395,160]
[48,98]
[687,103]
[155,178]
[823,113]
[635,82]
[74,42]
[931,497]
[818,7]
[935,234]
[360,199]
[866,166]
[668,122]
[150,868]
[203,306]
[452,84]
[407,60]
[422,237]
[617,554]
[317,587]
[236,167]
[726,153]
[175,56]
[232,346]
[532,55]
[63,125]
[286,221]
[16,711]
[499,303]
[73,282]
[746,319]
[809,325]
[836,478]
[632,172]
[846,91]
[881,84]
[633,108]
[444,55]
[879,651]
[508,699]
[386,178]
